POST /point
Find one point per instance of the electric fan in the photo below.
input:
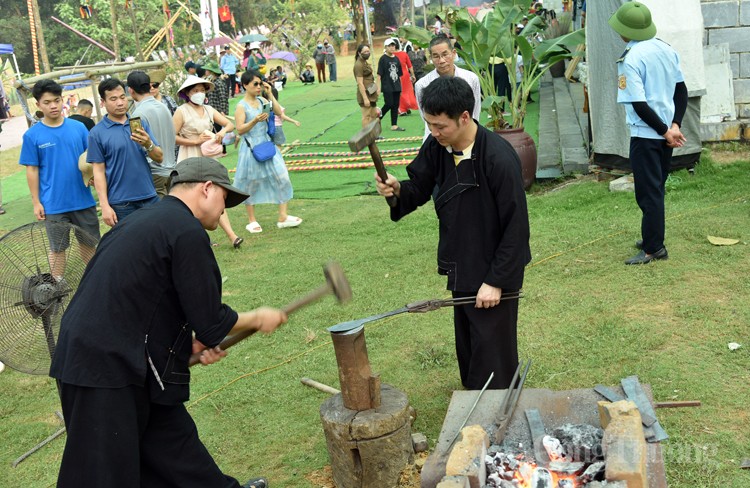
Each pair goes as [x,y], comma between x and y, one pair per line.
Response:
[41,265]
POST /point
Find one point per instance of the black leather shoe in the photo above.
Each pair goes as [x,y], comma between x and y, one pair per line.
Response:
[639,244]
[643,258]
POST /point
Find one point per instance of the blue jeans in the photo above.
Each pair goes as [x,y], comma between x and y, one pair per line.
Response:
[124,209]
[332,72]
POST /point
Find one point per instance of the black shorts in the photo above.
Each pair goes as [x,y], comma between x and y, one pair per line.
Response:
[87,231]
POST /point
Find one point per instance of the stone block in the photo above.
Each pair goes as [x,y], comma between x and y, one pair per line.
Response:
[624,444]
[467,456]
[720,14]
[741,90]
[745,12]
[575,160]
[734,64]
[623,183]
[738,38]
[454,482]
[743,110]
[721,131]
[419,441]
[746,132]
[743,65]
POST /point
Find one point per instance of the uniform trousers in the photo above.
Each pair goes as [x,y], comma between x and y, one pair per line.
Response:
[651,160]
[118,438]
[486,342]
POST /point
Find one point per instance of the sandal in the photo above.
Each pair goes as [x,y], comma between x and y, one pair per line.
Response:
[398,129]
[238,242]
[256,483]
[254,227]
[291,221]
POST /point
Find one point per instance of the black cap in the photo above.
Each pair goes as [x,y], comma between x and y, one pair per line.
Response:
[139,81]
[206,169]
[226,48]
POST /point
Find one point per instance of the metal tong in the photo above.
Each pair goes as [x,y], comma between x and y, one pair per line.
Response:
[414,307]
[510,401]
[430,305]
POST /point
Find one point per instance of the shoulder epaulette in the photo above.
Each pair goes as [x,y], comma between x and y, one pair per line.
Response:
[622,56]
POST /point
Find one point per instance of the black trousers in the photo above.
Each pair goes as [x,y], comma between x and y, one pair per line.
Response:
[650,160]
[392,101]
[231,84]
[117,438]
[486,342]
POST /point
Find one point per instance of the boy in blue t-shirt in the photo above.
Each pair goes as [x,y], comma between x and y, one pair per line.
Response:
[51,152]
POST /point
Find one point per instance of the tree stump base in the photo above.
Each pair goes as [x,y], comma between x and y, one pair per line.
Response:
[369,448]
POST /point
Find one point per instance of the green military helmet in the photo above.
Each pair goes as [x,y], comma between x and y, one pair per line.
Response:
[633,21]
[213,67]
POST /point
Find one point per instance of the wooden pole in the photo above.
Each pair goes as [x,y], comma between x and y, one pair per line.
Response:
[34,45]
[139,53]
[40,37]
[113,16]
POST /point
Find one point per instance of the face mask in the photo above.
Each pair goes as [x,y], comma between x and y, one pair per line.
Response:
[320,46]
[198,98]
[365,56]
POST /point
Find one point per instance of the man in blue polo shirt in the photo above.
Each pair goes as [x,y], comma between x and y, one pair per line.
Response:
[652,89]
[51,151]
[122,176]
[228,65]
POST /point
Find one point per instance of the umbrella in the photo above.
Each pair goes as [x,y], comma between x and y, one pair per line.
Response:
[285,55]
[218,41]
[252,38]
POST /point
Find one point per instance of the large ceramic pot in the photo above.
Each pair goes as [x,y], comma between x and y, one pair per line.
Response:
[526,150]
[557,70]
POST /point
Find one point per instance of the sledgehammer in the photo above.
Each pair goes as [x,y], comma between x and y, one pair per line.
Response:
[336,284]
[367,137]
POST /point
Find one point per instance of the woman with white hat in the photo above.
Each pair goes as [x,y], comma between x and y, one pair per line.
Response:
[194,125]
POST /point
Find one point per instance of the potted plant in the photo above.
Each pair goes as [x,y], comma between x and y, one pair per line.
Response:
[492,36]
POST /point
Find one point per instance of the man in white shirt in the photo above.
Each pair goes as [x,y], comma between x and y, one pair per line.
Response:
[443,56]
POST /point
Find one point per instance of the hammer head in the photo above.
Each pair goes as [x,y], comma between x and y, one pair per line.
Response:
[365,137]
[337,281]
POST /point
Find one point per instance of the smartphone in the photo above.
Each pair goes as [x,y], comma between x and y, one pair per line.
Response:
[135,124]
[267,107]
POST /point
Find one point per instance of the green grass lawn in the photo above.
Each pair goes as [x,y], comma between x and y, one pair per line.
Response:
[586,318]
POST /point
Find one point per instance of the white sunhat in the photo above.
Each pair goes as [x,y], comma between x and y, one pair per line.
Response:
[193,80]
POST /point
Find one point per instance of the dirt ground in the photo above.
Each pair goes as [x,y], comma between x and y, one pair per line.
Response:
[410,477]
[727,157]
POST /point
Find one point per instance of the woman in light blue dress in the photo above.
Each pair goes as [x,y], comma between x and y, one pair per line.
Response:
[267,181]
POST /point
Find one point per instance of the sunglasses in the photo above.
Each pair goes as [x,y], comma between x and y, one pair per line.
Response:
[154,85]
[257,83]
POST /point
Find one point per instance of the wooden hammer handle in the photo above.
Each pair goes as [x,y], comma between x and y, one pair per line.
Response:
[380,168]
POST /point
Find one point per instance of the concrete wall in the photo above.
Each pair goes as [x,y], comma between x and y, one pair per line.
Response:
[728,22]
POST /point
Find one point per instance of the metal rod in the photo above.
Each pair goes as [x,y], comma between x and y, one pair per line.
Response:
[471,410]
[517,392]
[506,400]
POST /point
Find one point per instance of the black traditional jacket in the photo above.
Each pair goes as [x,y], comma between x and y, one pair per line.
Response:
[481,206]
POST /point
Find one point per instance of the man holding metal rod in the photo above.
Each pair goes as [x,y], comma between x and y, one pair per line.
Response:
[484,226]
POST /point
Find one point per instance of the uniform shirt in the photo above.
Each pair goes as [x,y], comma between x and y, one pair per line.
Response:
[229,64]
[128,172]
[157,115]
[481,207]
[389,71]
[464,74]
[152,281]
[55,151]
[648,72]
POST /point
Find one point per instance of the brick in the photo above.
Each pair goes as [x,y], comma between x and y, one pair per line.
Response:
[735,64]
[467,456]
[720,14]
[743,66]
[721,131]
[738,38]
[454,482]
[624,444]
[741,90]
[745,12]
[743,110]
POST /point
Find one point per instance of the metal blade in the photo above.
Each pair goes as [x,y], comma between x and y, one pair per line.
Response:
[353,324]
